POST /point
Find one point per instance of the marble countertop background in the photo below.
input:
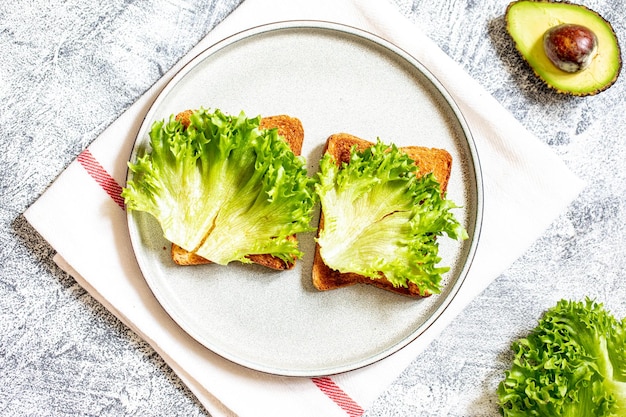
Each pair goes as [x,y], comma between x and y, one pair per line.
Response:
[69,68]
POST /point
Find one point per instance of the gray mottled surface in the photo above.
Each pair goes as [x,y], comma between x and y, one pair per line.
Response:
[69,68]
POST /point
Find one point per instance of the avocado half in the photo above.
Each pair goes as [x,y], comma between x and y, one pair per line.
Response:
[528,20]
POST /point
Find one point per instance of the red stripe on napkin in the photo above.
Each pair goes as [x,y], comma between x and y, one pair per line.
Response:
[114,190]
[102,177]
[343,400]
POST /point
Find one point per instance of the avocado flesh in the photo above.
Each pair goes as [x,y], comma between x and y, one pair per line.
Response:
[528,20]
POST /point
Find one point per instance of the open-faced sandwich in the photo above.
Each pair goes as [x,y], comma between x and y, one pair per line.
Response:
[225,188]
[383,208]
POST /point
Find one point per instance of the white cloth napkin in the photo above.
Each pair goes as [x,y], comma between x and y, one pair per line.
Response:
[526,186]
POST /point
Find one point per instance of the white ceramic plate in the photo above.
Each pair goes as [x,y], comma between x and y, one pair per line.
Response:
[334,79]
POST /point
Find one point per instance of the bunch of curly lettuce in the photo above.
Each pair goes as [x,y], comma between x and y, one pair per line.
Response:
[223,188]
[380,217]
[572,364]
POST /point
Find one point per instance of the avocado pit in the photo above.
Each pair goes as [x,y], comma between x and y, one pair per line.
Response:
[570,47]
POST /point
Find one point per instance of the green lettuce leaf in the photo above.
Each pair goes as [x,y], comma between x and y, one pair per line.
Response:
[572,364]
[223,188]
[380,217]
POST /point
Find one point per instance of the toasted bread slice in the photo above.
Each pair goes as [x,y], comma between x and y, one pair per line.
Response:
[437,161]
[290,128]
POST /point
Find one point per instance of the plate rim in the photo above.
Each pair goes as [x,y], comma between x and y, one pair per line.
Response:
[468,141]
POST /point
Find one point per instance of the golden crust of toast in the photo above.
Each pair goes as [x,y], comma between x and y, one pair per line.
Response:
[183,117]
[183,257]
[290,128]
[437,161]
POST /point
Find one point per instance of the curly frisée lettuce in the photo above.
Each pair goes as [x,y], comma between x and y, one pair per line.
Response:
[572,364]
[223,188]
[382,218]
